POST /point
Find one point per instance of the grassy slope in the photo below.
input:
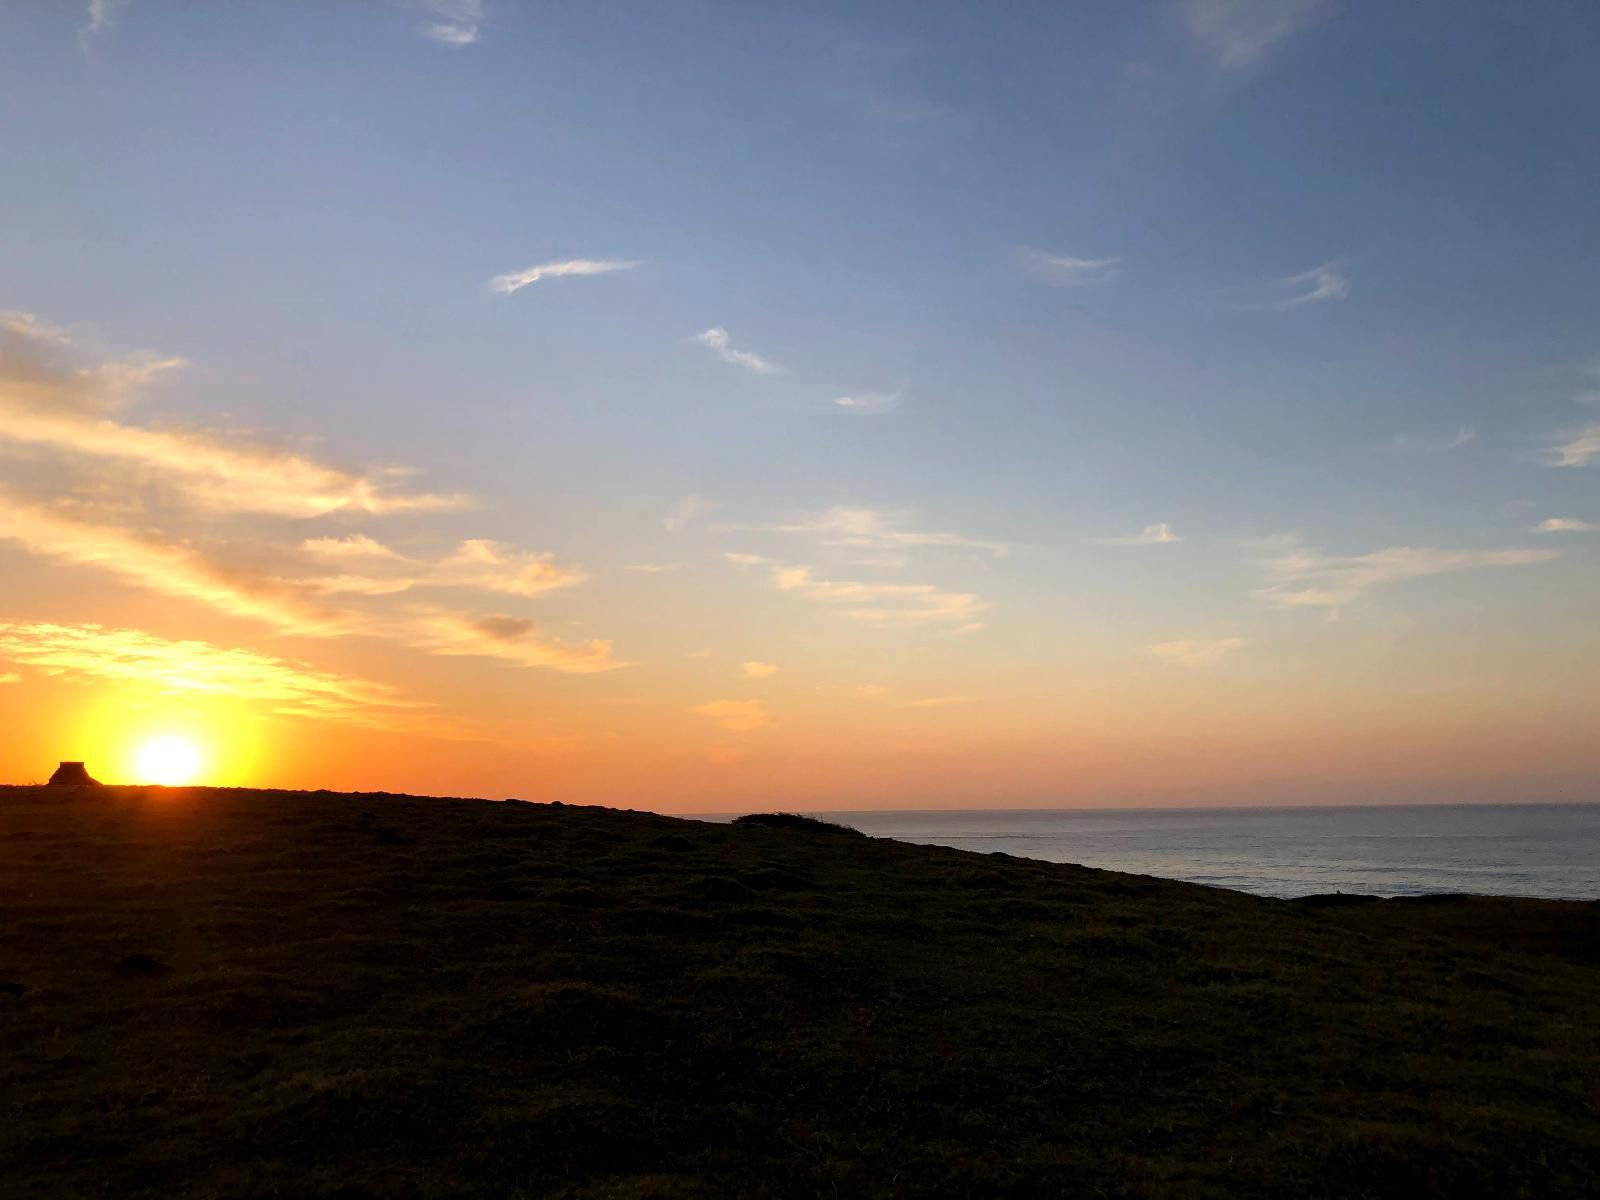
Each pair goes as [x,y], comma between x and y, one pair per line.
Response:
[361,996]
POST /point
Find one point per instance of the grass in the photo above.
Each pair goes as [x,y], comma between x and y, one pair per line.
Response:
[220,993]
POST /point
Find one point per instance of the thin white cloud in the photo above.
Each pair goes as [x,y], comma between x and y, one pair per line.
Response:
[1566,525]
[10,677]
[1159,534]
[99,19]
[506,285]
[1196,652]
[1405,443]
[1237,34]
[1327,282]
[650,568]
[453,22]
[875,529]
[745,560]
[1579,449]
[739,716]
[357,547]
[759,670]
[888,605]
[939,701]
[718,341]
[1063,270]
[868,404]
[1305,579]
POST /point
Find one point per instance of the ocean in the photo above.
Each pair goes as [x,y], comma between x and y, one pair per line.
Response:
[1546,850]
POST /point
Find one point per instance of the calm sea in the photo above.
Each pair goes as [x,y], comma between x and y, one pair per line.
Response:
[1508,850]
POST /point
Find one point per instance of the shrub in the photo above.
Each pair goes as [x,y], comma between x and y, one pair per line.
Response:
[786,820]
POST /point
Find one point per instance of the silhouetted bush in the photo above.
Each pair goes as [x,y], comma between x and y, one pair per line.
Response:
[785,820]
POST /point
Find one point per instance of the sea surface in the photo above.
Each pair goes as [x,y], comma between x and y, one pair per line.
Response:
[1547,850]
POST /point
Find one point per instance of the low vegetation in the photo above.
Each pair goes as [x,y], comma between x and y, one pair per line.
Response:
[217,993]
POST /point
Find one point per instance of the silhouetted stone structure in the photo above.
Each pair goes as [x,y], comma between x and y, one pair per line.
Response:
[71,774]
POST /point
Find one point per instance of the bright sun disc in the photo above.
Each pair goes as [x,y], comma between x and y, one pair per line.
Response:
[169,761]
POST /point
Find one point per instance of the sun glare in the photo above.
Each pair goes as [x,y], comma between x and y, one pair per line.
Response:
[169,761]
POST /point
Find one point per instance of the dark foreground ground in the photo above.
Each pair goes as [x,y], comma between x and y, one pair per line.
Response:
[258,994]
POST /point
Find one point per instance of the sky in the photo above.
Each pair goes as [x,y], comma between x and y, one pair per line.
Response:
[703,406]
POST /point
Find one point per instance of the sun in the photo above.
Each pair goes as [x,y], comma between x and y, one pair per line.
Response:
[169,761]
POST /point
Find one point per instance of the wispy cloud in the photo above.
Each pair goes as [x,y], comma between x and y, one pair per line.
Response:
[1237,34]
[1063,270]
[1405,443]
[163,567]
[867,404]
[875,529]
[510,639]
[153,663]
[1327,282]
[1196,652]
[99,19]
[357,547]
[718,341]
[889,605]
[10,677]
[485,564]
[650,568]
[453,22]
[686,512]
[1578,449]
[740,716]
[48,403]
[1159,534]
[759,670]
[939,701]
[1305,579]
[1566,525]
[506,285]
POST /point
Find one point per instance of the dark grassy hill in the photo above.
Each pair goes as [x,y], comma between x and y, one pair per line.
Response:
[259,994]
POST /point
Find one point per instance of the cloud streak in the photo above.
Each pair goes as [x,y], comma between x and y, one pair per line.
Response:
[50,405]
[875,529]
[1327,282]
[739,716]
[887,605]
[718,341]
[1566,525]
[1303,579]
[453,22]
[1195,653]
[1159,534]
[515,281]
[867,404]
[169,569]
[156,664]
[1579,449]
[1238,34]
[1062,270]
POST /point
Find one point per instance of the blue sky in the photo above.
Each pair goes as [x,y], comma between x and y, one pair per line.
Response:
[1249,330]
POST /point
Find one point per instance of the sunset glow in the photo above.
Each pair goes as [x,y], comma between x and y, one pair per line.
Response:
[836,429]
[169,761]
